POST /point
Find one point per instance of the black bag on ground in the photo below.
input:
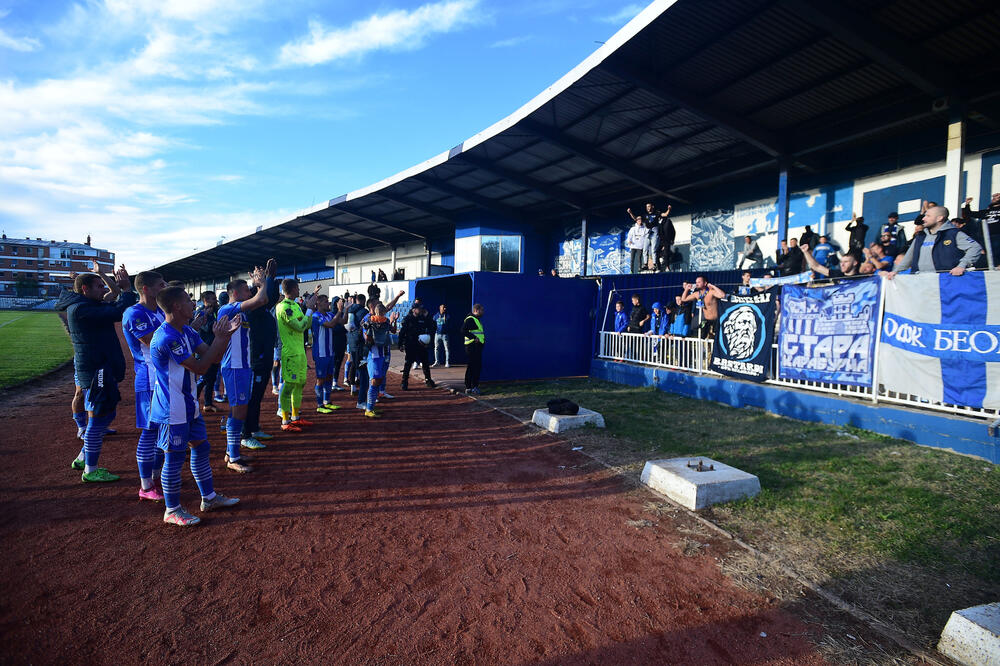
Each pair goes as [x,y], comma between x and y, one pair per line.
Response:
[563,407]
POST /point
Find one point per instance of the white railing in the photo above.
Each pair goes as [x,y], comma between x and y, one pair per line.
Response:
[695,355]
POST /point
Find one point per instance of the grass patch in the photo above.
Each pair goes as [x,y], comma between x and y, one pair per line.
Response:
[906,532]
[31,343]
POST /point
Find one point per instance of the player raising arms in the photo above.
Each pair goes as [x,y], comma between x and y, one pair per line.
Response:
[324,324]
[237,372]
[173,351]
[139,323]
[292,323]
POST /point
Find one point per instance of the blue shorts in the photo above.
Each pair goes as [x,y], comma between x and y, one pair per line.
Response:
[176,437]
[87,404]
[377,367]
[143,402]
[238,382]
[324,366]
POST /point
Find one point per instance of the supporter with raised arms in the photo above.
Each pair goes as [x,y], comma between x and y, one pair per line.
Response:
[705,297]
[848,265]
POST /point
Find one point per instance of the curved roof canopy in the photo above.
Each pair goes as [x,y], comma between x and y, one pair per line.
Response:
[688,94]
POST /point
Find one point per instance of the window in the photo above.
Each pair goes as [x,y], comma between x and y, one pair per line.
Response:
[28,262]
[501,254]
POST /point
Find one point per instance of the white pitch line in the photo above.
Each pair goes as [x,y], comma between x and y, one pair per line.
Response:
[13,320]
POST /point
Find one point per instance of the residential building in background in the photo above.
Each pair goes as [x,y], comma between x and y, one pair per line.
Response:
[39,268]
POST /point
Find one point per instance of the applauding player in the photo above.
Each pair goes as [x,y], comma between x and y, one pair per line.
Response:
[173,351]
[324,323]
[237,371]
[139,323]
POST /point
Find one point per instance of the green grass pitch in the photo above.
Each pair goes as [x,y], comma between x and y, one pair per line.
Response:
[31,343]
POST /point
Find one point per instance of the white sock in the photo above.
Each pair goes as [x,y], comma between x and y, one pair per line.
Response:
[147,484]
[87,469]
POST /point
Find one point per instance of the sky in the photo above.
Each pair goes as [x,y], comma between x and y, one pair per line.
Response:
[160,127]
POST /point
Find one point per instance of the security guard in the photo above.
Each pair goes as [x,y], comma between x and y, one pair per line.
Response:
[474,338]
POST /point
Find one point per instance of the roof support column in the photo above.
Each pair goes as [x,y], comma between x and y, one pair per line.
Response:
[427,268]
[393,272]
[583,246]
[782,201]
[954,164]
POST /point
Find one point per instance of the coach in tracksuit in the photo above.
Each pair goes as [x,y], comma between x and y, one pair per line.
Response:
[98,357]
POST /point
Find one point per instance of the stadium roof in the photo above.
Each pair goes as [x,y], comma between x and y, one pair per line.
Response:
[688,94]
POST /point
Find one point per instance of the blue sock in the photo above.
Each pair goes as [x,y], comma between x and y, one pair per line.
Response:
[327,388]
[275,377]
[81,419]
[201,469]
[372,396]
[145,456]
[170,478]
[158,459]
[318,389]
[93,439]
[347,371]
[234,430]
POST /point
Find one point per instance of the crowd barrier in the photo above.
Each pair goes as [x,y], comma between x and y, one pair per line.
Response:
[694,355]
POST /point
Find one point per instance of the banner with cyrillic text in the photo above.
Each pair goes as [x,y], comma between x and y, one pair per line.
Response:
[941,338]
[828,333]
[746,332]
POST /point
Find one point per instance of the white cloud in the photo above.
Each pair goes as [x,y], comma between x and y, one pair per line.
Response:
[510,42]
[626,14]
[8,41]
[227,178]
[399,30]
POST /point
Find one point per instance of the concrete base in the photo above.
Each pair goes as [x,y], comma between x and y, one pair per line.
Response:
[697,490]
[972,636]
[561,422]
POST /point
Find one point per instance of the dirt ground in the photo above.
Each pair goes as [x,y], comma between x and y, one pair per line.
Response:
[442,533]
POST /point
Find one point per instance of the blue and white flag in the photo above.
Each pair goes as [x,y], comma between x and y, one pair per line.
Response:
[941,338]
[798,278]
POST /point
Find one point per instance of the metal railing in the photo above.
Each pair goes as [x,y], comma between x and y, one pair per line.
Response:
[695,355]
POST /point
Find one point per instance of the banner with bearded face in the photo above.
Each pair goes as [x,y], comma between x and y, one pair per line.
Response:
[746,331]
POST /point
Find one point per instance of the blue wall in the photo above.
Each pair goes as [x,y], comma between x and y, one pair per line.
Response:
[535,326]
[928,429]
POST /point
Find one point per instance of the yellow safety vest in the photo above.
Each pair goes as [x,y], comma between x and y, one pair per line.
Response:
[477,333]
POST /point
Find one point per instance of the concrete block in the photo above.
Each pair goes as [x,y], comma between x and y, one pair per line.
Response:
[562,422]
[972,636]
[695,490]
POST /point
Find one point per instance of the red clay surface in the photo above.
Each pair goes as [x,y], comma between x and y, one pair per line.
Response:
[442,533]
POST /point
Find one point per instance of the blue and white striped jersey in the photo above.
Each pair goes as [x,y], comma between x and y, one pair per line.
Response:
[137,322]
[174,399]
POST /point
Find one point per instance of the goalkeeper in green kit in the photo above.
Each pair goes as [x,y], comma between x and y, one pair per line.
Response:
[292,323]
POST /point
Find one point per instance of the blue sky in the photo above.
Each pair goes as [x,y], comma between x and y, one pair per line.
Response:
[159,126]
